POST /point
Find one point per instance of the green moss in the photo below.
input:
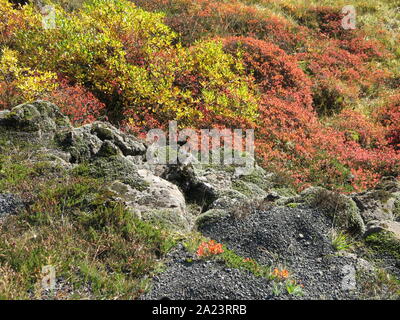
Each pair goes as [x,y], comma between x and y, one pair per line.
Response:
[210,217]
[384,243]
[167,219]
[396,205]
[102,249]
[342,209]
[75,145]
[284,191]
[233,260]
[13,174]
[82,170]
[382,195]
[43,168]
[378,284]
[256,176]
[229,257]
[117,168]
[243,188]
[103,132]
[108,149]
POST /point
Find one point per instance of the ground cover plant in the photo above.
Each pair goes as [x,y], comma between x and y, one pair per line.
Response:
[285,68]
[323,101]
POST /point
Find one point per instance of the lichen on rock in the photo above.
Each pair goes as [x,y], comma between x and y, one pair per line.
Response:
[38,116]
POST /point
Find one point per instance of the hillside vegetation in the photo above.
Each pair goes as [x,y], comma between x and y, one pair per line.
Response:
[324,101]
[86,203]
[78,191]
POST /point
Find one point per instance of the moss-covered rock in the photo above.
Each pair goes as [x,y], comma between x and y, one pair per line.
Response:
[37,116]
[98,139]
[341,208]
[396,206]
[169,219]
[79,142]
[210,217]
[117,168]
[128,144]
[161,202]
[384,243]
[249,189]
[229,199]
[376,204]
[108,149]
[389,226]
[216,186]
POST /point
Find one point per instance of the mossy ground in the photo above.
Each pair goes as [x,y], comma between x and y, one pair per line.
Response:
[99,250]
[384,243]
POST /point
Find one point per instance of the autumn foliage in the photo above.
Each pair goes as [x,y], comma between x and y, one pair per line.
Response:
[315,93]
[210,248]
[389,116]
[77,102]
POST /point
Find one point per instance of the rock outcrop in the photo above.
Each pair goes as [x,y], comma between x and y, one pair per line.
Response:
[219,191]
[244,209]
[36,117]
[382,203]
[105,152]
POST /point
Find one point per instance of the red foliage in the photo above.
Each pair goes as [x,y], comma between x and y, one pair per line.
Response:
[357,127]
[351,155]
[329,21]
[276,73]
[389,116]
[195,19]
[77,102]
[9,96]
[340,72]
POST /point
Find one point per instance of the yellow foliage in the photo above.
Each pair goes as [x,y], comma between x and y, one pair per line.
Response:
[31,84]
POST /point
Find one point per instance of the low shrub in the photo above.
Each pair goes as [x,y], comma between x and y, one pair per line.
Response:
[389,116]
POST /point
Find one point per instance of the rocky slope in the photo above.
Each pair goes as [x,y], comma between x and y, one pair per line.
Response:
[322,238]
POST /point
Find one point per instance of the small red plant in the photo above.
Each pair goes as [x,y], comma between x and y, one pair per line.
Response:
[280,274]
[209,248]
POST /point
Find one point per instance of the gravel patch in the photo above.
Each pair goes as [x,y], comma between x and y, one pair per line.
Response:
[205,279]
[9,204]
[294,238]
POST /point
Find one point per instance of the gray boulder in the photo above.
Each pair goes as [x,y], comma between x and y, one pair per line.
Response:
[98,139]
[219,186]
[161,201]
[128,144]
[375,226]
[79,142]
[38,116]
[339,207]
[381,203]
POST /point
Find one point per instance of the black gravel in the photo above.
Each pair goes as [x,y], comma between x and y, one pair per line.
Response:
[203,280]
[292,238]
[9,204]
[297,239]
